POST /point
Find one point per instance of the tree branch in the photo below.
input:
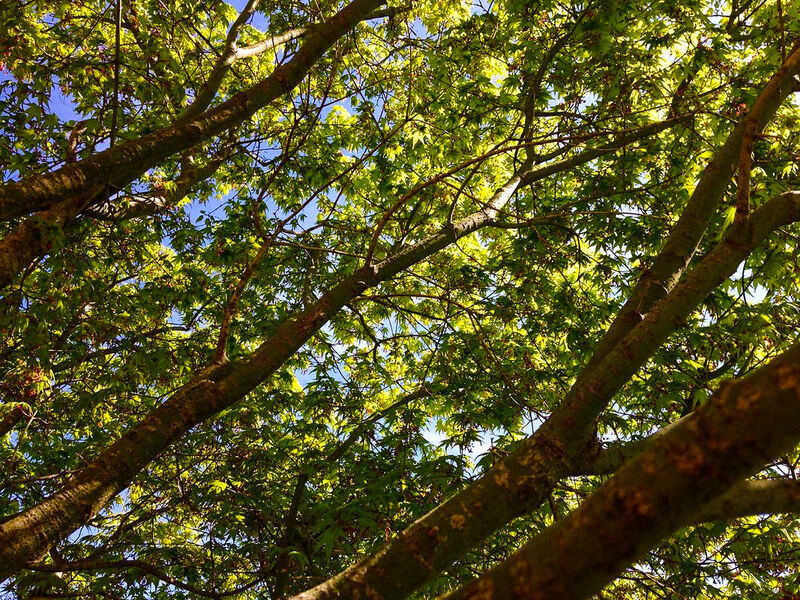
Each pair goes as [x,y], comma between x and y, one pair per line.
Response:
[226,58]
[744,425]
[63,194]
[522,480]
[117,167]
[527,172]
[28,535]
[667,268]
[232,53]
[140,565]
[158,201]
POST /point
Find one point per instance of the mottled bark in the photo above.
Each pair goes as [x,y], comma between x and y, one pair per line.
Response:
[37,235]
[756,497]
[744,425]
[64,194]
[605,460]
[26,536]
[9,420]
[748,498]
[522,480]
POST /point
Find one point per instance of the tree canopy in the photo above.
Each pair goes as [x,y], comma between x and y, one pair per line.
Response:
[316,300]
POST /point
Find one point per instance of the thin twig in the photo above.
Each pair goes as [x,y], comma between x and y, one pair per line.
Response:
[115,111]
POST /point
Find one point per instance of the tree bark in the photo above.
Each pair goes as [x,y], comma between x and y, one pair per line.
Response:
[744,425]
[522,480]
[667,268]
[28,535]
[118,166]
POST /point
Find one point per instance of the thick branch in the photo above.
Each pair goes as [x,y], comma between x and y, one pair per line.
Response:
[749,498]
[595,388]
[118,166]
[744,425]
[39,234]
[44,231]
[667,268]
[607,460]
[757,497]
[226,58]
[522,480]
[9,420]
[28,535]
[232,53]
[157,202]
[74,187]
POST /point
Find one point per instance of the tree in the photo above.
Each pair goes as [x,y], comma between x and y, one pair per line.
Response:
[323,300]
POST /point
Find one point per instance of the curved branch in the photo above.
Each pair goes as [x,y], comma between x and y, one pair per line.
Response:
[756,497]
[156,202]
[118,166]
[226,58]
[107,565]
[523,479]
[526,172]
[232,53]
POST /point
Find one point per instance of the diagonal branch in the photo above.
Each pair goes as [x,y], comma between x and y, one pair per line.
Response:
[745,424]
[667,268]
[28,535]
[232,53]
[159,201]
[527,171]
[43,232]
[523,479]
[338,452]
[64,194]
[756,497]
[226,58]
[751,127]
[118,166]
